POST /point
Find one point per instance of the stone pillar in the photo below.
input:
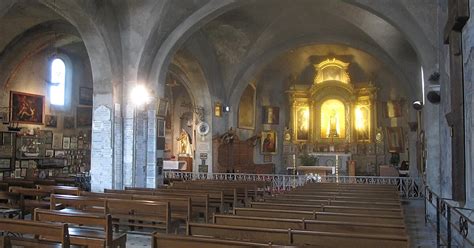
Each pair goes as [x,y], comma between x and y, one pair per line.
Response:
[102,167]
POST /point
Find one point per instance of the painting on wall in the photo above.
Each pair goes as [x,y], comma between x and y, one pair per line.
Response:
[85,96]
[271,115]
[302,123]
[51,121]
[393,109]
[57,141]
[247,108]
[162,107]
[68,122]
[84,116]
[268,142]
[26,108]
[395,139]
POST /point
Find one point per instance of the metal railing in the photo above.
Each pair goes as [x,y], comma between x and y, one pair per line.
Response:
[452,223]
[407,186]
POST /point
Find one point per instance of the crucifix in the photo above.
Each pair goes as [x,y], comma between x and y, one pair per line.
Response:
[458,11]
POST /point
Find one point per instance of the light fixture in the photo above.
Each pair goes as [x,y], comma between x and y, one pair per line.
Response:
[417,105]
[226,109]
[139,95]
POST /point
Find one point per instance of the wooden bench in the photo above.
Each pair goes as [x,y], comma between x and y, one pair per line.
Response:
[296,237]
[57,189]
[31,199]
[181,207]
[325,208]
[57,234]
[331,202]
[83,203]
[293,195]
[174,241]
[131,213]
[310,225]
[196,203]
[86,232]
[325,216]
[389,195]
[142,214]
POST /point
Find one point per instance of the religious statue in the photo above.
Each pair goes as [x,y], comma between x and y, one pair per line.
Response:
[184,143]
[333,124]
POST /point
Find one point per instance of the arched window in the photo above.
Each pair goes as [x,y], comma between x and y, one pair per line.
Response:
[58,82]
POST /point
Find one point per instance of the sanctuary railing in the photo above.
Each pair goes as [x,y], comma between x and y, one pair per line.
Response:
[408,187]
[453,224]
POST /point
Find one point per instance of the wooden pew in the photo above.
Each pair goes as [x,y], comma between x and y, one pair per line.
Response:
[294,195]
[388,195]
[181,207]
[325,216]
[359,203]
[325,208]
[353,186]
[231,194]
[175,241]
[90,237]
[310,225]
[31,199]
[58,189]
[57,234]
[297,237]
[199,203]
[141,213]
[216,197]
[83,203]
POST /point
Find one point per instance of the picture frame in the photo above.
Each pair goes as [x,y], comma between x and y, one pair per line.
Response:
[162,107]
[66,142]
[271,115]
[68,122]
[26,108]
[48,136]
[57,141]
[49,153]
[59,154]
[51,121]
[160,128]
[395,139]
[218,109]
[5,164]
[85,96]
[84,116]
[393,108]
[268,143]
[246,112]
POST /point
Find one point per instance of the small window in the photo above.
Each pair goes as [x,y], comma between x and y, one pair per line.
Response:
[58,82]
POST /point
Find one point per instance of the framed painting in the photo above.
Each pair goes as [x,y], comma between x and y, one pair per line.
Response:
[51,121]
[5,163]
[57,141]
[68,122]
[161,128]
[85,96]
[268,142]
[26,108]
[302,123]
[66,142]
[393,109]
[247,108]
[271,115]
[48,136]
[395,139]
[84,117]
[162,107]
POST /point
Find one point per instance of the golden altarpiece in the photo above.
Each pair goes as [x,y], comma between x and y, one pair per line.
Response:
[331,114]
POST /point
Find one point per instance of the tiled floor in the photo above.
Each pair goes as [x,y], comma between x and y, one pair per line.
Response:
[421,235]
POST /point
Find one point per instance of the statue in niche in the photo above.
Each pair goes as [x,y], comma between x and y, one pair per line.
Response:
[184,143]
[333,124]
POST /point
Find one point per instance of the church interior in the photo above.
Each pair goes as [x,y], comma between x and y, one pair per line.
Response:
[236,123]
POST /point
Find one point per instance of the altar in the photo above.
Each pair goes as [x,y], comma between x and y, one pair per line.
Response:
[327,163]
